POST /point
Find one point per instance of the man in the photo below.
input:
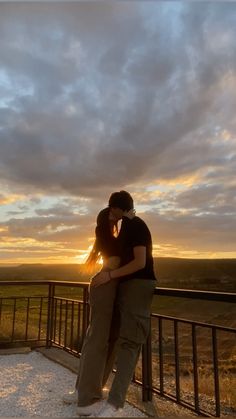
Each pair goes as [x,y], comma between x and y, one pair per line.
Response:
[134,296]
[131,287]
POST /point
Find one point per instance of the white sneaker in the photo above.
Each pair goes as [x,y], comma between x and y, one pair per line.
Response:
[72,396]
[110,411]
[91,409]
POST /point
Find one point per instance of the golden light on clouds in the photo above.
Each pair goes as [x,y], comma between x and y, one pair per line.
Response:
[3,229]
[10,199]
[129,115]
[228,136]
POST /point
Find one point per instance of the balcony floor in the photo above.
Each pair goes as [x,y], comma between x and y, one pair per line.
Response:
[32,385]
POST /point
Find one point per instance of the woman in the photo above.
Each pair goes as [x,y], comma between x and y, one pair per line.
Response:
[96,359]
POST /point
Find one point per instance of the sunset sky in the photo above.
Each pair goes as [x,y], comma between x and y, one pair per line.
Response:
[101,96]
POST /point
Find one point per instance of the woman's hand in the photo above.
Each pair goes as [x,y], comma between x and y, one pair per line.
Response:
[101,278]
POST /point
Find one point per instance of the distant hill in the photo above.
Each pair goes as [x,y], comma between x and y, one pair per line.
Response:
[37,272]
[206,274]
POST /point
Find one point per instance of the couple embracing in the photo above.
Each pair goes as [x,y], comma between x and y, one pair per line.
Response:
[120,303]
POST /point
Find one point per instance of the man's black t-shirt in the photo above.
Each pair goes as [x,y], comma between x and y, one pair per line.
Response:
[134,232]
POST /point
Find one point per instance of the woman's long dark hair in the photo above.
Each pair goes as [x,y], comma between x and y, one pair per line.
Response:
[103,238]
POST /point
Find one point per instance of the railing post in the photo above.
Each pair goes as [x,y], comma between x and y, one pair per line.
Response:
[147,369]
[149,364]
[51,291]
[161,366]
[13,320]
[195,368]
[144,374]
[177,371]
[85,312]
[216,372]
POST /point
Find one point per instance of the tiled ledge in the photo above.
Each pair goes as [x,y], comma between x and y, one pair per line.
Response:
[14,351]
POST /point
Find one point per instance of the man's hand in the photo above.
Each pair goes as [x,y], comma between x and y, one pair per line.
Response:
[101,278]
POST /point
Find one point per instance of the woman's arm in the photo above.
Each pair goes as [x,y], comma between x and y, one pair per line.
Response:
[138,262]
[135,265]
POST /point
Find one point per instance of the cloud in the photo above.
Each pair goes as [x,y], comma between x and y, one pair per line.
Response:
[101,96]
[192,233]
[124,101]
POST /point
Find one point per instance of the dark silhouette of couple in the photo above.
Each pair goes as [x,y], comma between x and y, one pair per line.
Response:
[120,299]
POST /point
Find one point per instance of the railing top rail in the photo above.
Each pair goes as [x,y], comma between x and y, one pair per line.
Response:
[83,284]
[197,294]
[168,292]
[69,300]
[194,323]
[46,282]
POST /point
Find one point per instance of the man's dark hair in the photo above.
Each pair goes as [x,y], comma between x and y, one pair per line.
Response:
[122,200]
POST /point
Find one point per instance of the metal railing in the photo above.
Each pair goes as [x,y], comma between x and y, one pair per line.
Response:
[67,318]
[61,321]
[36,319]
[209,334]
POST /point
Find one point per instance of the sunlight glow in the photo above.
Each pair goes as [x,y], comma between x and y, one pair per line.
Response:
[10,199]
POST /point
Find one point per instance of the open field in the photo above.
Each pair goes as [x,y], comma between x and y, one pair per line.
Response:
[211,275]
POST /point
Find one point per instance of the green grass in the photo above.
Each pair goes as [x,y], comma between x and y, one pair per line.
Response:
[215,312]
